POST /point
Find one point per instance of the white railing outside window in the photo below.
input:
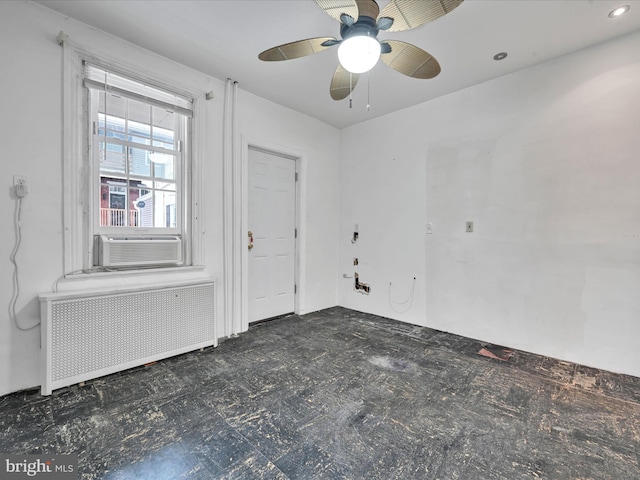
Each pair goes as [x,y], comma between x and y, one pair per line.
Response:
[115,217]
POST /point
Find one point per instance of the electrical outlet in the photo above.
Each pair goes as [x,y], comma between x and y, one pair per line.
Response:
[22,184]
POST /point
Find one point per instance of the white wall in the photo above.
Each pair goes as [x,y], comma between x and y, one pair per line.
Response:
[31,127]
[546,163]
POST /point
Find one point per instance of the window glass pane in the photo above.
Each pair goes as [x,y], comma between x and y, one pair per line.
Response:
[135,202]
[113,202]
[165,201]
[164,142]
[104,203]
[145,185]
[163,165]
[139,122]
[112,157]
[138,140]
[144,206]
[168,186]
[115,126]
[170,219]
[139,133]
[139,163]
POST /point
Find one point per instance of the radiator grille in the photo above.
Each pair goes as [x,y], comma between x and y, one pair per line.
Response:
[107,333]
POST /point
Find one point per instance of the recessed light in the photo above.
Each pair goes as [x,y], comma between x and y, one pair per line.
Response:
[500,56]
[616,12]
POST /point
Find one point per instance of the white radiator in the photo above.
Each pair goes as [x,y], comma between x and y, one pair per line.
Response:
[86,336]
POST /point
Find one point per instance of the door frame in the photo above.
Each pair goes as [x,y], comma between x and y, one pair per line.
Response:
[300,220]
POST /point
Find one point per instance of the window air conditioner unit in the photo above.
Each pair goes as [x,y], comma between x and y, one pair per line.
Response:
[112,251]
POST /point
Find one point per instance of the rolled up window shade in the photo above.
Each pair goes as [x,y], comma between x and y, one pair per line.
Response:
[102,79]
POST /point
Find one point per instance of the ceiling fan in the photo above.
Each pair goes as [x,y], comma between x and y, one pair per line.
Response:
[359,49]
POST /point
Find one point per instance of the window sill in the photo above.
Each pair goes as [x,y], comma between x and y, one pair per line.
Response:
[139,277]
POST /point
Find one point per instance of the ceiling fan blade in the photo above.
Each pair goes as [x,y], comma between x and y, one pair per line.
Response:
[410,60]
[408,14]
[368,8]
[335,8]
[298,49]
[342,83]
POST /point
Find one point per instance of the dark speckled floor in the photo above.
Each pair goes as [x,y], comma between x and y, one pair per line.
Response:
[339,394]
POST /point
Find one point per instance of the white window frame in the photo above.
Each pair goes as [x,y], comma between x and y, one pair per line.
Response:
[79,184]
[181,173]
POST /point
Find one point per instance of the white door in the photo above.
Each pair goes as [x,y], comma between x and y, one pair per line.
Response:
[272,223]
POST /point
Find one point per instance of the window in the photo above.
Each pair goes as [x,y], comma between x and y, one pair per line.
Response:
[138,155]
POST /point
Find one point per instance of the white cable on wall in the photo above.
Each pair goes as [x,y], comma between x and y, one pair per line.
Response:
[16,278]
[408,302]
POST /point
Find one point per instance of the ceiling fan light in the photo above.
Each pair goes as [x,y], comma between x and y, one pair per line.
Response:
[359,54]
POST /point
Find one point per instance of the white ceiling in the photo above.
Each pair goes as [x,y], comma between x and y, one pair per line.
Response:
[223,38]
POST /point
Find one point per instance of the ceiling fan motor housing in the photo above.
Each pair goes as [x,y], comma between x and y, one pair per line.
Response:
[365,26]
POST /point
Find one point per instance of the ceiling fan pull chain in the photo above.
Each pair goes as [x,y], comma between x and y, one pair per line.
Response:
[350,89]
[368,91]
